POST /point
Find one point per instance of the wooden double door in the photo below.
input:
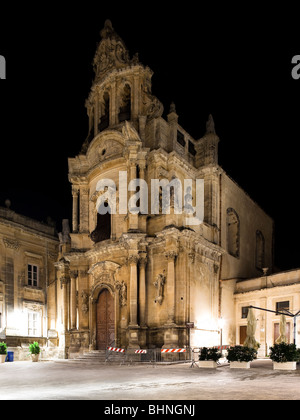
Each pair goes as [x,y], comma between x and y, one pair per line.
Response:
[105,320]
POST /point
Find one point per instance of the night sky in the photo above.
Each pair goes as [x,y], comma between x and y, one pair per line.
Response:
[233,63]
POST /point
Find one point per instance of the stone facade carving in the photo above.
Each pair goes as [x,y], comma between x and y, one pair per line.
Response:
[122,287]
[11,244]
[159,284]
[84,302]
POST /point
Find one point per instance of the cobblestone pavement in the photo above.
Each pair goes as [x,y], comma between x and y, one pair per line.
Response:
[67,380]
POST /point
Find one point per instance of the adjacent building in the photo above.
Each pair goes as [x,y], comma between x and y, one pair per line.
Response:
[28,250]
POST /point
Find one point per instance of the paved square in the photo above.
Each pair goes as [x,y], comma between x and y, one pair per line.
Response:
[68,380]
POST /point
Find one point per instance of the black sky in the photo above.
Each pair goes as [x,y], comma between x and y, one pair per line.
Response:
[235,64]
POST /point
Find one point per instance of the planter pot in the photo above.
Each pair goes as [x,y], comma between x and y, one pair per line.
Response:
[2,358]
[240,365]
[208,364]
[285,366]
[35,358]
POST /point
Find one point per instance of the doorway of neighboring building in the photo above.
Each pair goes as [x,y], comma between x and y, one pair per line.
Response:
[243,334]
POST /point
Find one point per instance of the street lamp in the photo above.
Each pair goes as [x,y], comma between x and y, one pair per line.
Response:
[221,324]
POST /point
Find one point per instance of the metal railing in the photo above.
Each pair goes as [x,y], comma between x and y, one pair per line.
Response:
[152,356]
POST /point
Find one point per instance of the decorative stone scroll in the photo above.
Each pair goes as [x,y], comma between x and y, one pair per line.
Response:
[11,244]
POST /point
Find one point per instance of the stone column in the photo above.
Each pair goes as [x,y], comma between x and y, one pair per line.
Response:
[65,312]
[133,218]
[173,123]
[171,256]
[133,260]
[73,276]
[142,290]
[142,167]
[75,194]
[171,337]
[113,112]
[97,114]
[135,98]
[84,209]
[133,330]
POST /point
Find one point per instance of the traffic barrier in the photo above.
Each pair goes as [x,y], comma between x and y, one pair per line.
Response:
[116,350]
[141,352]
[222,347]
[173,350]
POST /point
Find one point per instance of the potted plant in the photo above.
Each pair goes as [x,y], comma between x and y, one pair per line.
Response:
[209,357]
[240,357]
[285,356]
[3,352]
[34,350]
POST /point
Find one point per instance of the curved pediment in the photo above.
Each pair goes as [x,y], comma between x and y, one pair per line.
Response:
[105,146]
[104,268]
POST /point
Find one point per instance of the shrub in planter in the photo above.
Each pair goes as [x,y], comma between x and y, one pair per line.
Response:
[208,357]
[35,350]
[3,352]
[240,356]
[210,354]
[285,356]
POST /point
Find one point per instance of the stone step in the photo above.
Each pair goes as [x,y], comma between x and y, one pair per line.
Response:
[99,356]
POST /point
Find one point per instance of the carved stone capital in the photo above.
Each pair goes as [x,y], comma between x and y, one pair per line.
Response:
[133,259]
[171,255]
[143,261]
[192,257]
[75,191]
[64,281]
[74,274]
[84,190]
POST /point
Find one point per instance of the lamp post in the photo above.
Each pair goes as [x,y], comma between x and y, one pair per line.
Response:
[221,323]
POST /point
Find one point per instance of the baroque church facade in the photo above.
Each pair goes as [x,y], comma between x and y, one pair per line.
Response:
[135,280]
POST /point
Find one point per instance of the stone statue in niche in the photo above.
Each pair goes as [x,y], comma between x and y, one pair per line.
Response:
[160,285]
[123,293]
[85,302]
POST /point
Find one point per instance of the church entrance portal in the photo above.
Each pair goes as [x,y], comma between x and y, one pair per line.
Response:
[105,320]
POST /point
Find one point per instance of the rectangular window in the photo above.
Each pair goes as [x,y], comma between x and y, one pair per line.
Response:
[192,149]
[282,306]
[180,139]
[245,311]
[33,324]
[33,274]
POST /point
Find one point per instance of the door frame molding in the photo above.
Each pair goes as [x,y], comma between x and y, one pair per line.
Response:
[93,311]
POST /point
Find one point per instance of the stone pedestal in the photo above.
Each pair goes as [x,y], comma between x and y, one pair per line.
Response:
[133,337]
[171,337]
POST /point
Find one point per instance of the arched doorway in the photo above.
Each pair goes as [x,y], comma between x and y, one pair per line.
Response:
[105,320]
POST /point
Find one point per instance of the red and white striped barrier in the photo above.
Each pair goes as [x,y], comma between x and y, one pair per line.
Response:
[116,350]
[141,352]
[173,351]
[222,347]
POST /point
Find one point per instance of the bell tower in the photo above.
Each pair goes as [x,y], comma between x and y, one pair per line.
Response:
[121,90]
